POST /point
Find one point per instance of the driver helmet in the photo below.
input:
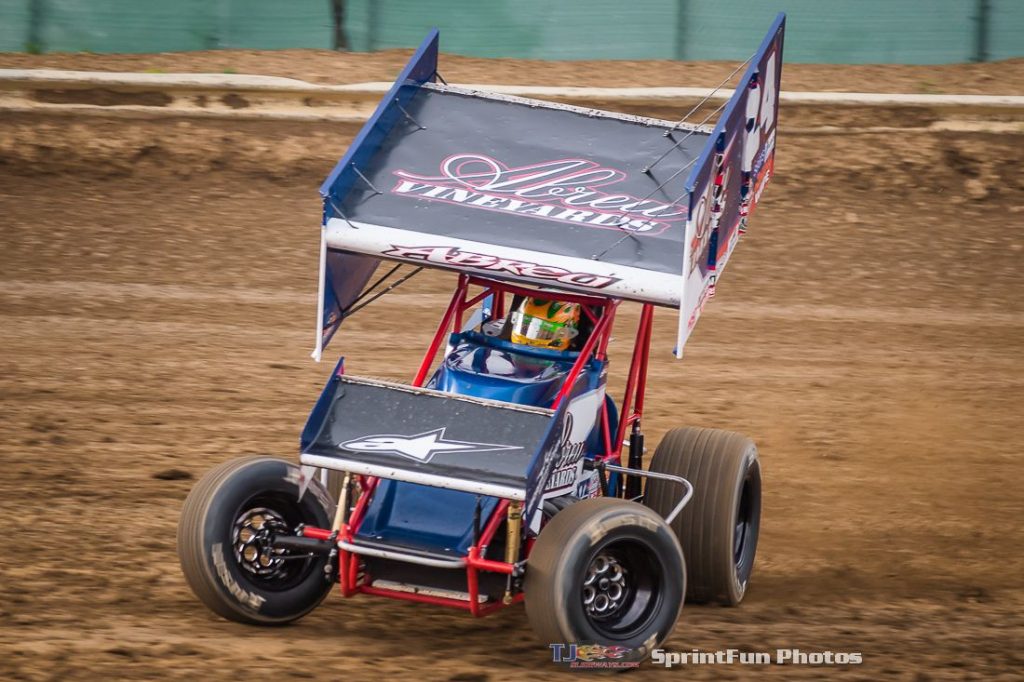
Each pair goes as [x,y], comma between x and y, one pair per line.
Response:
[545,324]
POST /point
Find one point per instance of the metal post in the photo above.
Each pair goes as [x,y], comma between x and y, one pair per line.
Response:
[340,41]
[36,22]
[981,30]
[680,37]
[221,37]
[372,23]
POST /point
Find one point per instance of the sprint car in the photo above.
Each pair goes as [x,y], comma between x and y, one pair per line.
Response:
[505,473]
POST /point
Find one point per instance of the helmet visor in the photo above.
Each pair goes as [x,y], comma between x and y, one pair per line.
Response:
[539,329]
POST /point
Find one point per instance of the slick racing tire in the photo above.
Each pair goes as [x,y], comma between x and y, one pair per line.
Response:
[609,572]
[224,542]
[718,528]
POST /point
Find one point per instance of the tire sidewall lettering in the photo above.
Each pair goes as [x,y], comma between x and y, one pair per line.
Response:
[225,505]
[586,544]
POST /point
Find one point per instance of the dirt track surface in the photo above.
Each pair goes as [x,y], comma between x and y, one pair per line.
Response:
[156,313]
[325,66]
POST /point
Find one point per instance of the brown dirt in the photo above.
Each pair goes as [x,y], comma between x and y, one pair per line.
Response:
[324,66]
[156,311]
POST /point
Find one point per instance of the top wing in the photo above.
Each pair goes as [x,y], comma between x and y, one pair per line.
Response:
[524,190]
[545,194]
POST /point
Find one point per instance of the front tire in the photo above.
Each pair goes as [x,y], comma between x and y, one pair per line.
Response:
[223,542]
[605,571]
[719,527]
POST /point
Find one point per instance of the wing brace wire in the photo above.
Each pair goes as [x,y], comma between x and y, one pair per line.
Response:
[676,144]
[364,299]
[699,104]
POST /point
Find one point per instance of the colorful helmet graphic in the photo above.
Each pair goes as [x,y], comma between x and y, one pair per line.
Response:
[545,324]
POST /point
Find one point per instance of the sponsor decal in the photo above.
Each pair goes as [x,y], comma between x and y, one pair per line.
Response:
[766,165]
[705,294]
[756,142]
[562,190]
[588,486]
[592,656]
[453,256]
[763,178]
[421,447]
[570,456]
[759,125]
[580,418]
[711,205]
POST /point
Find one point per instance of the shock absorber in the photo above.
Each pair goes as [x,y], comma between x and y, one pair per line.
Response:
[636,460]
[512,541]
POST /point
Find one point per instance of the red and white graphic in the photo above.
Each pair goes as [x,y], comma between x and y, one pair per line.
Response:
[454,256]
[759,138]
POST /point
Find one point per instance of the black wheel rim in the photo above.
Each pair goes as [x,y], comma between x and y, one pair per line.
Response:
[748,513]
[257,521]
[622,589]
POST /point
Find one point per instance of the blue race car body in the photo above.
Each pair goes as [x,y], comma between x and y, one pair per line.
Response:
[434,519]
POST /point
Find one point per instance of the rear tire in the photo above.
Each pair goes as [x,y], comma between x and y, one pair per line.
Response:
[718,529]
[223,542]
[605,571]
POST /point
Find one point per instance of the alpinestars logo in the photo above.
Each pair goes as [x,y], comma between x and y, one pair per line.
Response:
[421,447]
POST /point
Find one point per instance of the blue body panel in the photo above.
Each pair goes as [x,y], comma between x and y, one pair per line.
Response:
[485,367]
[423,517]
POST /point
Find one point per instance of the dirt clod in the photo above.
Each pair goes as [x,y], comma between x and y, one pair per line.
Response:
[173,475]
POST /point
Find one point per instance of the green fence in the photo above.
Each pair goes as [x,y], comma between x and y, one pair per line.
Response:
[829,31]
[169,26]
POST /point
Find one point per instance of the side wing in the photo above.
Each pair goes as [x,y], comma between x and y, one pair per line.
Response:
[342,276]
[726,183]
